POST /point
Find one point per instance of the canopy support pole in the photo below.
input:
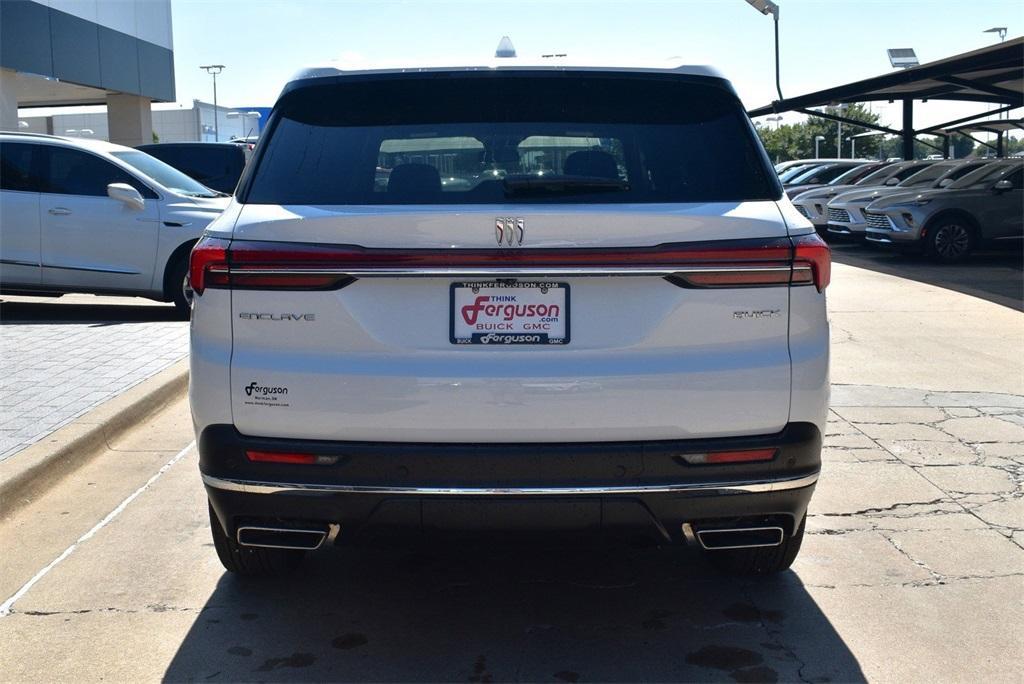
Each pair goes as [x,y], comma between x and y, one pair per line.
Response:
[908,129]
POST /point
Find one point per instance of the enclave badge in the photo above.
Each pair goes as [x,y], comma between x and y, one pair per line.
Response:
[277,317]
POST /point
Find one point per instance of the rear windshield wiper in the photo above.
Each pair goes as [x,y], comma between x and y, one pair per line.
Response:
[539,185]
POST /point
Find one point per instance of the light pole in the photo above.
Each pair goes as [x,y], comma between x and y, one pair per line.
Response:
[1001,30]
[839,133]
[767,7]
[817,141]
[213,70]
[776,119]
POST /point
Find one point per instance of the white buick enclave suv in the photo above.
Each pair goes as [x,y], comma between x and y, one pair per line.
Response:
[509,297]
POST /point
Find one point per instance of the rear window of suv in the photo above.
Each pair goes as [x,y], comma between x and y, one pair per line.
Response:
[449,139]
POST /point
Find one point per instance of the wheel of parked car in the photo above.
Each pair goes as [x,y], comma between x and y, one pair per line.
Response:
[180,288]
[760,560]
[248,560]
[950,240]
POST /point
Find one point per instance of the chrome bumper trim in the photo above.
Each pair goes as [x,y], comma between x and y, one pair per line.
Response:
[750,486]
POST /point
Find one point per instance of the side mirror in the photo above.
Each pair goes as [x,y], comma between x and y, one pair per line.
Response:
[945,182]
[1002,186]
[123,192]
[893,181]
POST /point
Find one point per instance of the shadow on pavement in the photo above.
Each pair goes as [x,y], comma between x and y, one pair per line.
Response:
[483,613]
[996,276]
[54,311]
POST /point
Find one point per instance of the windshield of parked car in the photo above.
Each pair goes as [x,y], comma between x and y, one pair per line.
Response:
[822,174]
[958,171]
[885,173]
[983,177]
[926,176]
[510,138]
[853,175]
[798,170]
[165,175]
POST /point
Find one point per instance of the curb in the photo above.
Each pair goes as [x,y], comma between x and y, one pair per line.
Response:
[29,473]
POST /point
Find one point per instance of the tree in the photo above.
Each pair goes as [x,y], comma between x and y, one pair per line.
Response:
[867,147]
[963,145]
[796,141]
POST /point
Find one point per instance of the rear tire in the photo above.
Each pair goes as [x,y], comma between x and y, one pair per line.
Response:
[181,291]
[251,561]
[759,561]
[950,241]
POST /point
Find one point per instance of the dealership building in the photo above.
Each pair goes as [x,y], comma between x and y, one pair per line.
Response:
[117,53]
[170,122]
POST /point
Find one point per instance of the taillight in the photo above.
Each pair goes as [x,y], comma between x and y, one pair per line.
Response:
[296,266]
[739,456]
[812,259]
[208,265]
[285,266]
[289,457]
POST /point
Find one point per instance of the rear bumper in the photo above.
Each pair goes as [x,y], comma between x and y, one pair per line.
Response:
[387,487]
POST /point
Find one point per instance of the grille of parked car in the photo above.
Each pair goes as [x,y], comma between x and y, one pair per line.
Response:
[838,215]
[877,220]
[803,210]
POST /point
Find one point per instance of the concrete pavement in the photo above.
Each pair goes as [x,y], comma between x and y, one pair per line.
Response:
[912,568]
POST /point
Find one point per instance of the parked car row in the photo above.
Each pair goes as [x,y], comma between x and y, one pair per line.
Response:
[89,216]
[943,208]
[985,205]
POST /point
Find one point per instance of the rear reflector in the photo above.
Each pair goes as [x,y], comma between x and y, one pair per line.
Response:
[740,456]
[289,457]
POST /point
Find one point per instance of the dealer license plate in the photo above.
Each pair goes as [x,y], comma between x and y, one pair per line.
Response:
[489,312]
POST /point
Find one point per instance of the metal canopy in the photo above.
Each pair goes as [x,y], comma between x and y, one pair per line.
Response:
[997,126]
[993,74]
[988,126]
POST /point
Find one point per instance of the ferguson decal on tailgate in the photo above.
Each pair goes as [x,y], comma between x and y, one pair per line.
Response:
[509,313]
[263,395]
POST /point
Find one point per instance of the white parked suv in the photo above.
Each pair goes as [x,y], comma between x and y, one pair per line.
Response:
[509,297]
[90,216]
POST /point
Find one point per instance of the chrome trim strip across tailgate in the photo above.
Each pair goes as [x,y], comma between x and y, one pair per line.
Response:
[506,271]
[751,486]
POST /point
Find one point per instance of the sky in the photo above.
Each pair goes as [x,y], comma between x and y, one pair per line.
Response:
[823,42]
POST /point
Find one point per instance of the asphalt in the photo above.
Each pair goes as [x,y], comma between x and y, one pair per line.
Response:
[912,568]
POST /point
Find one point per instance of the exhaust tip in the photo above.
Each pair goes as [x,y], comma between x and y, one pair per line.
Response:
[281,538]
[740,538]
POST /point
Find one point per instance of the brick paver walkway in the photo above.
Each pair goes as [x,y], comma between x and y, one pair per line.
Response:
[52,370]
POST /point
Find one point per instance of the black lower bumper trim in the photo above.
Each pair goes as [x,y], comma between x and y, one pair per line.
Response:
[509,486]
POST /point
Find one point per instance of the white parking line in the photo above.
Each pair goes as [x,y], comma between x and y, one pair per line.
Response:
[6,606]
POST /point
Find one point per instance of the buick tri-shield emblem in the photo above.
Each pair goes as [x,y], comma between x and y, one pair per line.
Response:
[509,231]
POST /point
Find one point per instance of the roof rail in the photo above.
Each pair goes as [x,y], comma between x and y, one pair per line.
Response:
[30,134]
